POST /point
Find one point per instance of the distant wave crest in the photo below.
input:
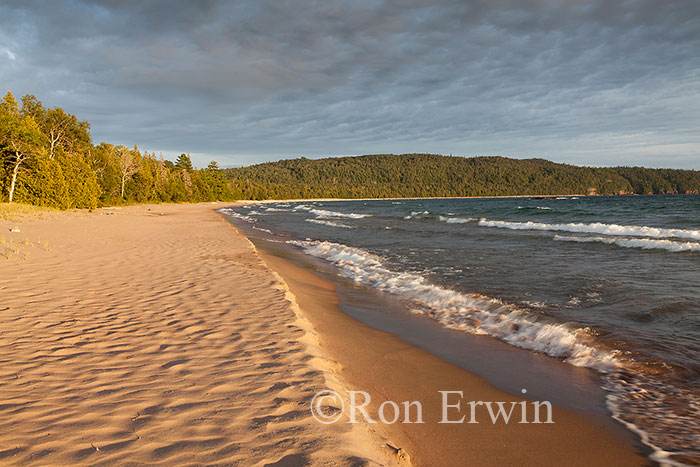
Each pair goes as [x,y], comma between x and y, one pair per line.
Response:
[329,223]
[596,227]
[456,220]
[644,243]
[349,215]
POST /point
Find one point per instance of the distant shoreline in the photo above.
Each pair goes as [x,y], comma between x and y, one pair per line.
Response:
[292,200]
[414,197]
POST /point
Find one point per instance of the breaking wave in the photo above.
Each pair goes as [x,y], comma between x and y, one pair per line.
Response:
[596,227]
[635,397]
[644,243]
[232,213]
[472,313]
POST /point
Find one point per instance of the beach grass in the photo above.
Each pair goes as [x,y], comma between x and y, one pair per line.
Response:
[12,211]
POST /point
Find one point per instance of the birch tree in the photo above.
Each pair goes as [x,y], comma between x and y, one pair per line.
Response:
[20,138]
[56,124]
[128,165]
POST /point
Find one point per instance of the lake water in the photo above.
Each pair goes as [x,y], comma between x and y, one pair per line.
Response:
[607,283]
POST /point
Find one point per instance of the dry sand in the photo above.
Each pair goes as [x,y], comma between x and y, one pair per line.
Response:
[156,335]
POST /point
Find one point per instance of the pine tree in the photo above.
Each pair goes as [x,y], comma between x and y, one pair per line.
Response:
[184,162]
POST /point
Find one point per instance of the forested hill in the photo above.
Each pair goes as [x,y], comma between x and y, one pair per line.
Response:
[428,175]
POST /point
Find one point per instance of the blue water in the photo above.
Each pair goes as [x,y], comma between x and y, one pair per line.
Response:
[608,283]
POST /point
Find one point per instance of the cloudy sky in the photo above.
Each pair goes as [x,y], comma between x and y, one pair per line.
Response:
[587,82]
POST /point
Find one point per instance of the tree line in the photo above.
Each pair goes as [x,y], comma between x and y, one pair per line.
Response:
[431,175]
[47,158]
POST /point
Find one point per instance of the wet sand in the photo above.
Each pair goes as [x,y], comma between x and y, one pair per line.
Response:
[388,368]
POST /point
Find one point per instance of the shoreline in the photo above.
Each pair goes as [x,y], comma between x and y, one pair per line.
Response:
[301,200]
[158,334]
[367,358]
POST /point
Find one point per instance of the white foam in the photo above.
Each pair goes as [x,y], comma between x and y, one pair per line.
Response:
[271,209]
[325,213]
[472,313]
[230,212]
[302,207]
[456,220]
[330,223]
[644,243]
[574,301]
[596,227]
[483,315]
[638,398]
[417,214]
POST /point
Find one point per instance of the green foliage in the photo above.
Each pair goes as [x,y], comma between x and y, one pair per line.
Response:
[82,188]
[429,175]
[43,183]
[184,162]
[47,158]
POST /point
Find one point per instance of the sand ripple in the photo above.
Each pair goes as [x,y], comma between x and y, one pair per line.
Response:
[142,338]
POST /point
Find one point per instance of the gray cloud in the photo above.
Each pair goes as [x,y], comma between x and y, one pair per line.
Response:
[594,82]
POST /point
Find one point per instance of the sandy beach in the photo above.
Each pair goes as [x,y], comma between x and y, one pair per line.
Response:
[154,335]
[158,335]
